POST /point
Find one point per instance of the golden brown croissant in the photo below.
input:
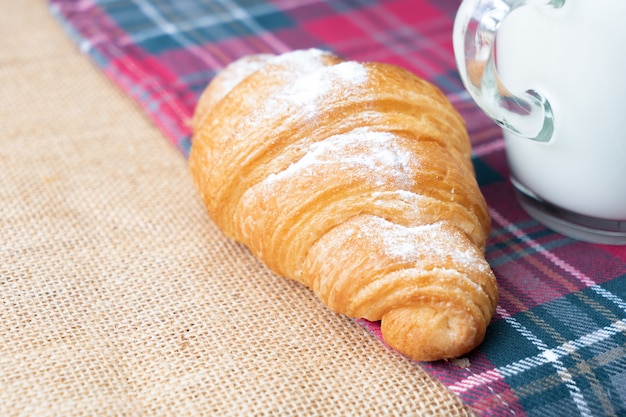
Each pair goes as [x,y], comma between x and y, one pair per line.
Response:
[356,180]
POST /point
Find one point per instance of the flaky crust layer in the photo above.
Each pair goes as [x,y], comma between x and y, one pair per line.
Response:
[356,180]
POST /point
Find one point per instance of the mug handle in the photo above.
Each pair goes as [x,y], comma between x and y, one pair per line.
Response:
[528,114]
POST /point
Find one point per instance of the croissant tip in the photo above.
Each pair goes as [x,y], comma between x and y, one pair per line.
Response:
[426,333]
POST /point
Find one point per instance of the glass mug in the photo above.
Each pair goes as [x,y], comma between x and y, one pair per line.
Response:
[555,80]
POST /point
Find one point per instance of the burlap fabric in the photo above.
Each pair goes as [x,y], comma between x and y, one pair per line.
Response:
[118,294]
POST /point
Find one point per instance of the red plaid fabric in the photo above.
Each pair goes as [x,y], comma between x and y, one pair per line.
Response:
[557,343]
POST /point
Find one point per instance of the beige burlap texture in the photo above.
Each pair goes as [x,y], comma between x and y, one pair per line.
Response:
[118,296]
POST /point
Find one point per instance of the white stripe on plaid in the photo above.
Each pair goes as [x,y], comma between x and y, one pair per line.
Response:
[235,13]
[460,96]
[385,38]
[544,357]
[166,27]
[554,360]
[570,269]
[85,44]
[177,31]
[243,16]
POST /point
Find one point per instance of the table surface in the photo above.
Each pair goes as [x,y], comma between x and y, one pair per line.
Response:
[120,297]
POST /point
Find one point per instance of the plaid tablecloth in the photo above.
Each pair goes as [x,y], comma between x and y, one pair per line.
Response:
[557,343]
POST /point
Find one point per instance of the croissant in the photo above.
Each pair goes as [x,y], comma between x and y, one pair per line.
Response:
[356,180]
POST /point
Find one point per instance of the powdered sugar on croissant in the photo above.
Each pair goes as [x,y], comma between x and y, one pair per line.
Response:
[356,180]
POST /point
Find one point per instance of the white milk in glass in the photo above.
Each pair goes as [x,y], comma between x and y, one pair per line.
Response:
[574,56]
